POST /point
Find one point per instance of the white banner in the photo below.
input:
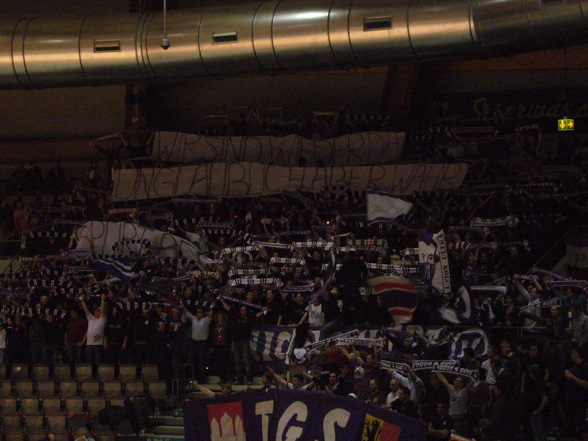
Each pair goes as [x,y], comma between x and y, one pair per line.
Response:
[253,179]
[356,149]
[107,237]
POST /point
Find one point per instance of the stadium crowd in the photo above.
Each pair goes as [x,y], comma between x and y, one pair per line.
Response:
[266,261]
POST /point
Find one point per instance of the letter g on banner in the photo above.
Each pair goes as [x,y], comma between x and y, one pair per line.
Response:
[298,410]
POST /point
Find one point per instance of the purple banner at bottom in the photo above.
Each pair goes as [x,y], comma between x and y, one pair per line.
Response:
[288,415]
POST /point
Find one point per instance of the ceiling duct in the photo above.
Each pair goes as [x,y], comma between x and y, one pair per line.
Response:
[277,36]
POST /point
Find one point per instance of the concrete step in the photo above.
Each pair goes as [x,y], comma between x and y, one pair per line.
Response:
[215,379]
[167,421]
[154,437]
[169,430]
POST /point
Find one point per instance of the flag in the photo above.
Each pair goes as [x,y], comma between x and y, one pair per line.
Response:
[473,338]
[382,207]
[462,309]
[117,268]
[399,296]
[434,261]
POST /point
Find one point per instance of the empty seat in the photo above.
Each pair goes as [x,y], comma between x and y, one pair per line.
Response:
[83,372]
[40,372]
[57,422]
[62,436]
[134,387]
[34,421]
[105,372]
[157,389]
[112,388]
[51,404]
[11,421]
[35,435]
[29,404]
[74,405]
[19,371]
[5,388]
[96,404]
[7,405]
[90,388]
[149,372]
[15,435]
[68,388]
[117,401]
[61,372]
[127,372]
[45,388]
[23,387]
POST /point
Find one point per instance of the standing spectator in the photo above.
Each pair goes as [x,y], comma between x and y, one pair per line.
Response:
[373,394]
[534,399]
[504,415]
[578,325]
[75,331]
[441,425]
[435,394]
[55,177]
[18,340]
[198,350]
[95,334]
[116,336]
[18,178]
[20,216]
[240,330]
[458,400]
[404,405]
[53,338]
[142,329]
[576,394]
[162,353]
[273,311]
[221,346]
[492,354]
[394,392]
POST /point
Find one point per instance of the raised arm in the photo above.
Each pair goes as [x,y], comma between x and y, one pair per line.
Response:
[443,380]
[84,306]
[206,391]
[278,377]
[102,305]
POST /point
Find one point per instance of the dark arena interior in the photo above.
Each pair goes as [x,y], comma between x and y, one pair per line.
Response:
[294,220]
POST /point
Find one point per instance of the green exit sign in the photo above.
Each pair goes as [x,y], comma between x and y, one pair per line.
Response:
[565,125]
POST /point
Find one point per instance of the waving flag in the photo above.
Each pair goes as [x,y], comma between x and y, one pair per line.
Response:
[118,268]
[382,207]
[399,296]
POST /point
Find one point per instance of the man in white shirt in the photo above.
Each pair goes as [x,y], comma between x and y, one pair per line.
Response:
[394,393]
[198,350]
[94,338]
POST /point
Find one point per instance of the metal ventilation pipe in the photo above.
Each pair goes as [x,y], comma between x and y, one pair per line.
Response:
[278,36]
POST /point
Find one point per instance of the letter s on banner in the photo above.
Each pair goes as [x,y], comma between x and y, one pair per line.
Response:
[297,409]
[339,417]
